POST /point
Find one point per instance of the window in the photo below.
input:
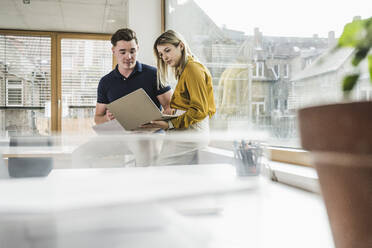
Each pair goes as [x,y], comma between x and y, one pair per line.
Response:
[259,69]
[286,70]
[276,104]
[277,70]
[25,84]
[230,37]
[285,104]
[258,110]
[2,88]
[67,61]
[30,61]
[14,92]
[365,95]
[84,62]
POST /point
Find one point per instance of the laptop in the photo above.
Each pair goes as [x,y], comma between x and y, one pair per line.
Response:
[137,108]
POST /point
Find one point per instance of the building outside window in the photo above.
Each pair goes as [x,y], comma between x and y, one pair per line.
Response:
[14,92]
[232,39]
[277,70]
[286,70]
[25,84]
[260,69]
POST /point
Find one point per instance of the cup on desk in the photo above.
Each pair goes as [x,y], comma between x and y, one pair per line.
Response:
[247,158]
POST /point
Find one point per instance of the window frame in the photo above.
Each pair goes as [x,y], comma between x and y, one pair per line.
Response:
[259,71]
[277,70]
[56,63]
[286,71]
[59,37]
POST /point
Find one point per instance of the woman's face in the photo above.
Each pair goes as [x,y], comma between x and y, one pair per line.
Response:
[170,54]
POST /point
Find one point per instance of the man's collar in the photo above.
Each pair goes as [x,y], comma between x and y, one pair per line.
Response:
[138,67]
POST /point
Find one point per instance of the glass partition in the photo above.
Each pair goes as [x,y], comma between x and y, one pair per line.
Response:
[266,58]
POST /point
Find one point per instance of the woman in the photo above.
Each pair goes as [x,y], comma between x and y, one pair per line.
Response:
[193,94]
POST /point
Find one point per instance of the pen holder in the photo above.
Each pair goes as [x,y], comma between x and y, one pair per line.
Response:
[247,158]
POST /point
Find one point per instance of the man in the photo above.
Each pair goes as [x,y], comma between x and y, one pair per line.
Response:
[128,76]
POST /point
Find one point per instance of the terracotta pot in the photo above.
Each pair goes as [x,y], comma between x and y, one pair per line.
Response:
[340,139]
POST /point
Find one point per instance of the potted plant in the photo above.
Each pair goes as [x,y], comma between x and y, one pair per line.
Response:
[339,137]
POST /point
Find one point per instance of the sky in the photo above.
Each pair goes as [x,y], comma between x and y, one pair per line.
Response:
[286,17]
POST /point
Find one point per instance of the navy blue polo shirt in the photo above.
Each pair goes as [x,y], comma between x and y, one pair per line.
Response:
[114,85]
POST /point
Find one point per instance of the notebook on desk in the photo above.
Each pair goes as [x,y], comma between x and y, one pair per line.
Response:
[137,108]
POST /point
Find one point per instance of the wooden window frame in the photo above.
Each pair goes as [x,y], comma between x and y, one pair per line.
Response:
[56,63]
[290,156]
[163,20]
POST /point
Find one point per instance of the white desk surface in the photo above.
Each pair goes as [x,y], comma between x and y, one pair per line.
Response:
[35,151]
[175,206]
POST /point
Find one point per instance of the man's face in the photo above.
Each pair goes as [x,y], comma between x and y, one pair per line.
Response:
[125,53]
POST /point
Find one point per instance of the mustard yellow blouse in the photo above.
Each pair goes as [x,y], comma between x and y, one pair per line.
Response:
[194,94]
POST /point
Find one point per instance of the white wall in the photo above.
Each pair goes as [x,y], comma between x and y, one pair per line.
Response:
[144,18]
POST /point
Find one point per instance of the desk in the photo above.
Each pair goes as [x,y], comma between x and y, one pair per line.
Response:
[34,151]
[61,156]
[175,206]
[83,152]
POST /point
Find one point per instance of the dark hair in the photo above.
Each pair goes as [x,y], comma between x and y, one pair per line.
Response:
[125,34]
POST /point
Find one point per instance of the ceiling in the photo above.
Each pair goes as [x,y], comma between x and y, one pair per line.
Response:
[88,16]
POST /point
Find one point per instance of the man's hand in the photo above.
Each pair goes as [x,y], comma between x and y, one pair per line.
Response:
[102,114]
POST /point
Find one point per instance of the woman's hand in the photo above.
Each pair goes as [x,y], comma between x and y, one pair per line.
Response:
[169,111]
[156,124]
[109,116]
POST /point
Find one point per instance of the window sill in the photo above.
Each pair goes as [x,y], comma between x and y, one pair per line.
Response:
[288,166]
[294,175]
[291,156]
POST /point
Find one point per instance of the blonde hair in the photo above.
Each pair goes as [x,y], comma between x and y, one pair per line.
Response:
[175,39]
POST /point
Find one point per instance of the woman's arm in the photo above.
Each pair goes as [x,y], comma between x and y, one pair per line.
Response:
[198,101]
[164,100]
[156,124]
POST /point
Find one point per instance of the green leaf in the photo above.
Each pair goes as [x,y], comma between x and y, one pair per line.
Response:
[359,55]
[352,34]
[349,82]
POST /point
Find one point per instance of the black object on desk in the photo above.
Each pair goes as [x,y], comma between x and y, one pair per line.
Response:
[30,166]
